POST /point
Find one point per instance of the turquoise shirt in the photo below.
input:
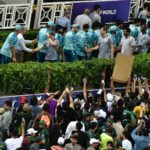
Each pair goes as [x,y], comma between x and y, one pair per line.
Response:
[94,36]
[10,42]
[42,37]
[60,39]
[72,42]
[134,31]
[115,38]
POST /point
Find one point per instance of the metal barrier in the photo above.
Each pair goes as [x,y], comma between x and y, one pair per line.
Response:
[11,14]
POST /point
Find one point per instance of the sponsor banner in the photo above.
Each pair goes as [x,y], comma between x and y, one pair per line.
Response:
[110,9]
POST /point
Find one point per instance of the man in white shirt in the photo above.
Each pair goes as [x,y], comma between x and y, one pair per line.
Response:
[126,144]
[95,16]
[127,43]
[21,45]
[16,142]
[83,19]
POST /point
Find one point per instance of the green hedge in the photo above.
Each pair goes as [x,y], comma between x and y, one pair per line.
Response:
[16,77]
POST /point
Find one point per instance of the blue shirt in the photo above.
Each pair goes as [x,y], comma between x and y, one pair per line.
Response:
[42,37]
[10,42]
[140,141]
[64,22]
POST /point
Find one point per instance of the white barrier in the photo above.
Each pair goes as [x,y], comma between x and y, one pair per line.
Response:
[11,14]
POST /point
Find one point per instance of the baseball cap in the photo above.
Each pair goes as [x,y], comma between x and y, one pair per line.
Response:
[109,97]
[93,140]
[23,99]
[51,24]
[19,27]
[60,141]
[76,26]
[31,131]
[42,122]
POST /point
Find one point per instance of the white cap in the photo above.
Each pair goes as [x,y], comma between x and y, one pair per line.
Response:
[39,98]
[60,141]
[109,97]
[99,92]
[92,141]
[31,131]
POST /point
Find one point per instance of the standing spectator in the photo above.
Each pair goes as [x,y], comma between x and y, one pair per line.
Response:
[21,45]
[44,134]
[42,37]
[74,143]
[83,19]
[59,145]
[104,44]
[126,144]
[51,45]
[135,29]
[143,40]
[127,43]
[65,21]
[56,131]
[72,44]
[95,16]
[140,136]
[94,143]
[143,13]
[85,38]
[7,118]
[15,142]
[8,51]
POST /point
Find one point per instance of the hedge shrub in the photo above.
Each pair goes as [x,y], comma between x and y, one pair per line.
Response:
[16,77]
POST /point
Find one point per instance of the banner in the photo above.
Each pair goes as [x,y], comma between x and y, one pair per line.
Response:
[110,9]
[123,68]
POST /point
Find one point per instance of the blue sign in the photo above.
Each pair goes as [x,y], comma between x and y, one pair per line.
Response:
[110,9]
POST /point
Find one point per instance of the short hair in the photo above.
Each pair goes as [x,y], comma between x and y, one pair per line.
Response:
[33,101]
[96,7]
[8,103]
[14,132]
[136,20]
[93,125]
[85,26]
[145,5]
[128,30]
[46,107]
[79,126]
[119,22]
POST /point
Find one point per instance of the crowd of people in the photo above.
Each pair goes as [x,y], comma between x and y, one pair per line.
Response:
[108,120]
[88,37]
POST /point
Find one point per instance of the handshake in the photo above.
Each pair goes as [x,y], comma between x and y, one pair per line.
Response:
[35,50]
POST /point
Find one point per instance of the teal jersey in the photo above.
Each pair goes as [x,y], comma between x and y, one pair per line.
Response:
[116,37]
[94,37]
[61,39]
[10,42]
[134,31]
[42,37]
[72,42]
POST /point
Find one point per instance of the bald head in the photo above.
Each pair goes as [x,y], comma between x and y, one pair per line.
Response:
[87,11]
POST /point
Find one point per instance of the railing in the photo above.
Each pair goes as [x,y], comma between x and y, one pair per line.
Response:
[49,11]
[11,14]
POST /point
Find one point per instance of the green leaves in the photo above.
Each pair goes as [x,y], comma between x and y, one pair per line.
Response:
[14,78]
